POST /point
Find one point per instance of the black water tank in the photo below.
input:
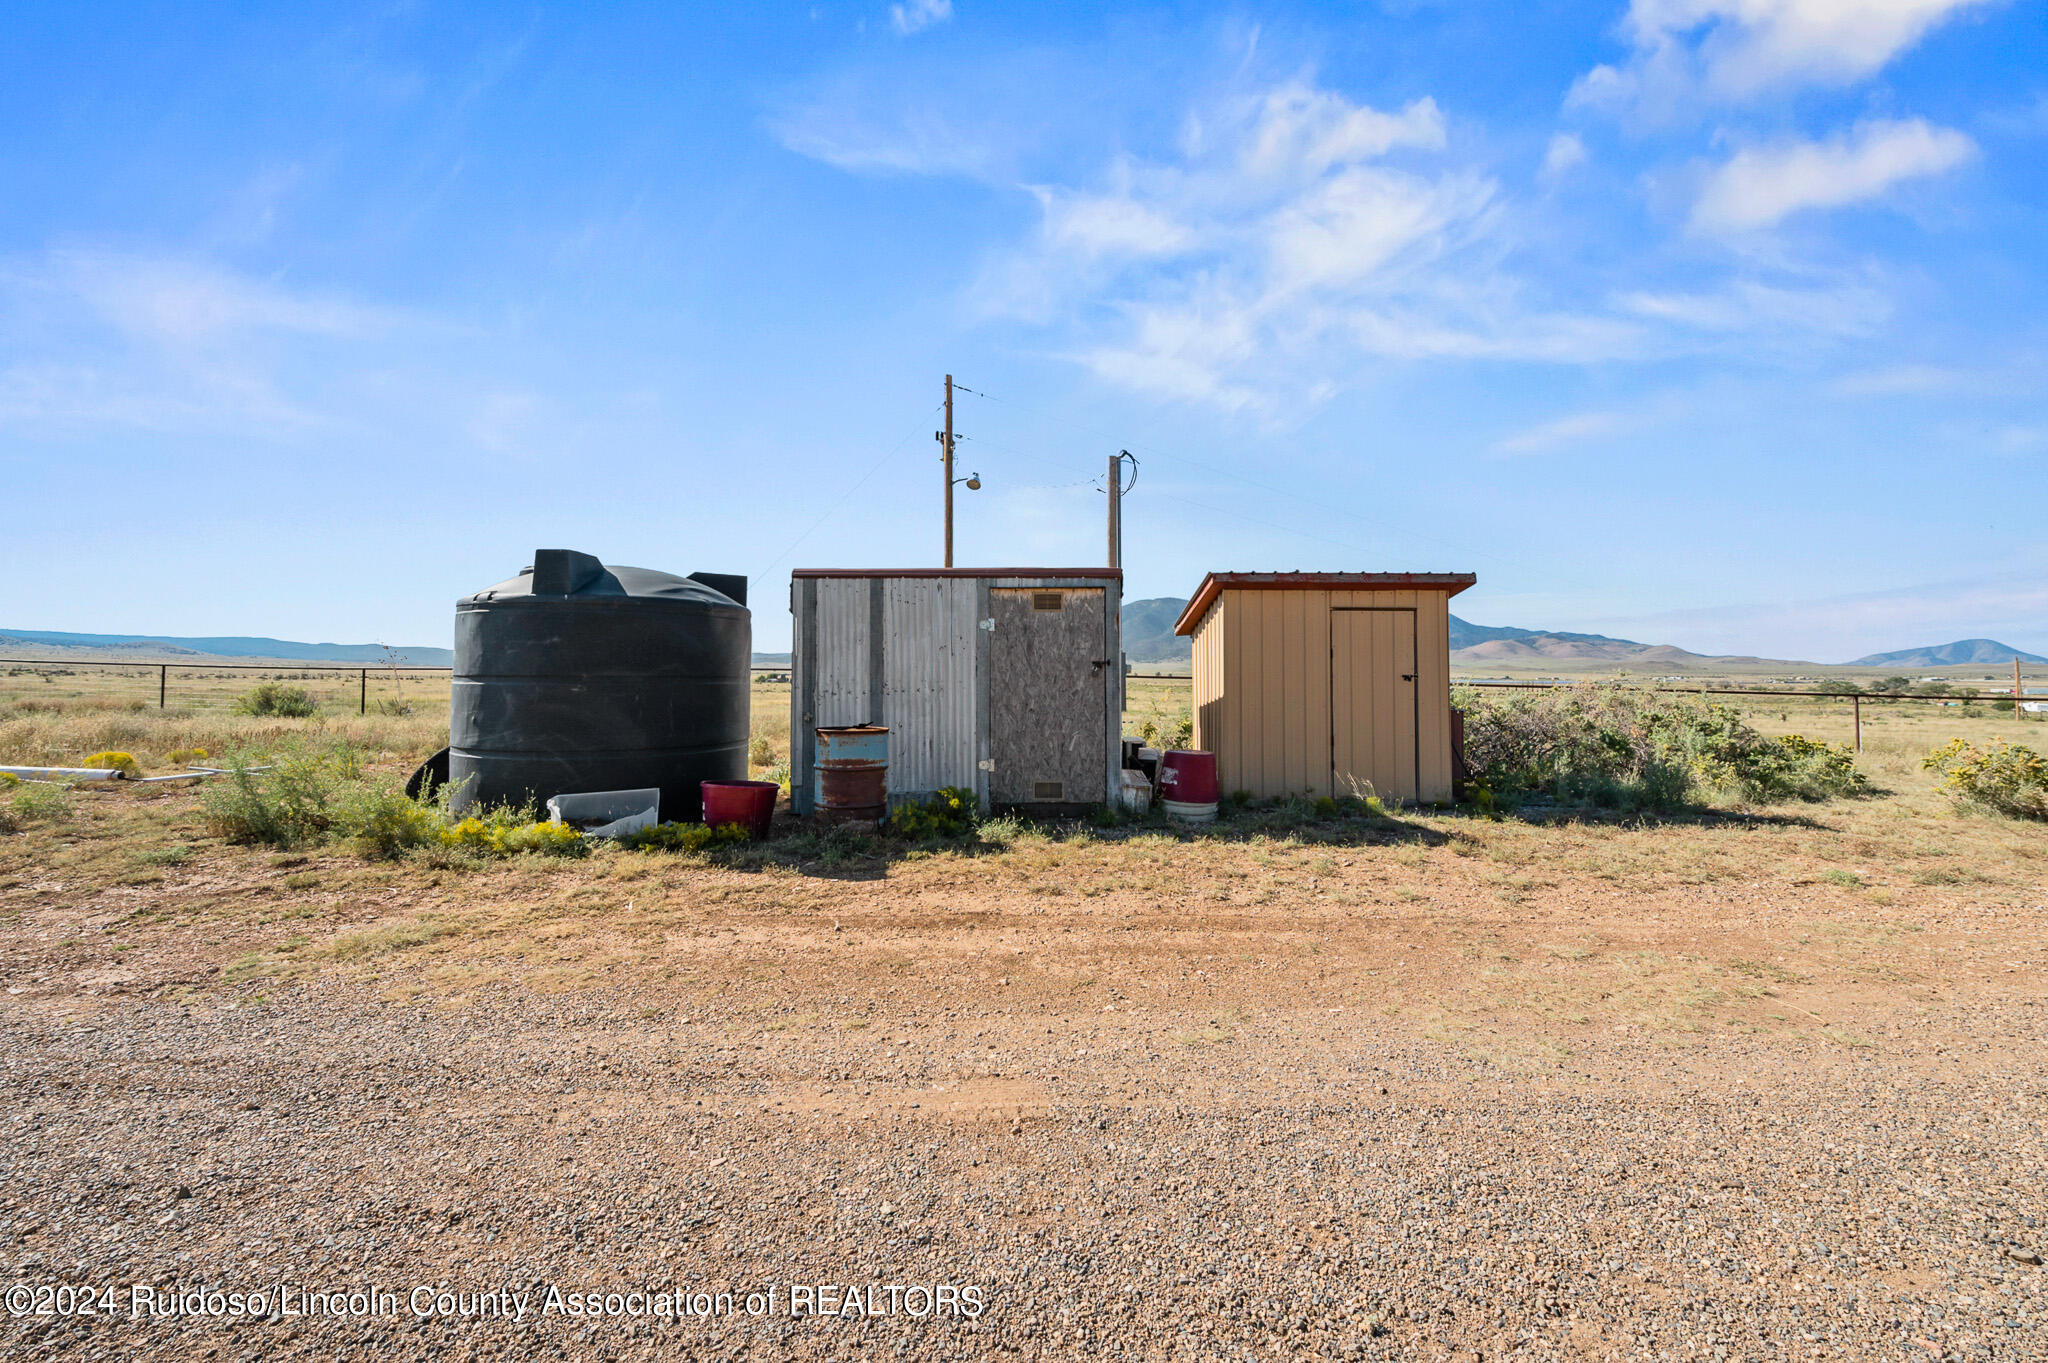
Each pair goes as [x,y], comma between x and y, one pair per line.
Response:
[576,676]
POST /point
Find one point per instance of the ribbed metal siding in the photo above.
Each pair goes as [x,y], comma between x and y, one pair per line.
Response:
[841,662]
[928,684]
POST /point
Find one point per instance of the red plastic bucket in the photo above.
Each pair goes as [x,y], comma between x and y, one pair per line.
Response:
[750,804]
[1188,777]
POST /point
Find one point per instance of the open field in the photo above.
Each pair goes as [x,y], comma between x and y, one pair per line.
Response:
[1759,1083]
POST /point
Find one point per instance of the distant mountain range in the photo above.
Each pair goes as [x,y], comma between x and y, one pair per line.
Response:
[1949,655]
[1149,638]
[233,646]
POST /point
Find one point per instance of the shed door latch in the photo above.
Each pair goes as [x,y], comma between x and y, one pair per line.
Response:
[1407,676]
[987,764]
[989,625]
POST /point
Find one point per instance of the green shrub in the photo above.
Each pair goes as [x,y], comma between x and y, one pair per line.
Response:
[185,757]
[113,761]
[42,802]
[8,780]
[760,752]
[684,837]
[1796,767]
[1628,749]
[1003,830]
[949,813]
[291,804]
[277,699]
[2010,778]
[386,824]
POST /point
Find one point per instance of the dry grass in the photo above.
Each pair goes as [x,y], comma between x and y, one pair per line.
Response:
[1783,920]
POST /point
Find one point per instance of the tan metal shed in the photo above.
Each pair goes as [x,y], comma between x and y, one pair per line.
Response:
[1325,683]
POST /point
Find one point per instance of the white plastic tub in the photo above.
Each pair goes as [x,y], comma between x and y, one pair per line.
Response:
[607,813]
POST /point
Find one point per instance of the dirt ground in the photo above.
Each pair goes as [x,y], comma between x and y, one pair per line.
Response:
[1764,1084]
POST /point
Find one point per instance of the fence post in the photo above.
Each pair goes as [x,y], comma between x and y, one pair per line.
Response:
[1856,703]
[163,684]
[363,701]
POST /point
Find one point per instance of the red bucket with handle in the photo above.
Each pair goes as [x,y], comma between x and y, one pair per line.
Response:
[750,804]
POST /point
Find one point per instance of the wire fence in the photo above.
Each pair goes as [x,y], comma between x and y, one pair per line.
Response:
[366,687]
[1966,699]
[214,685]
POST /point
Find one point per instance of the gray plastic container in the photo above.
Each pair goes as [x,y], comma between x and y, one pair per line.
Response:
[578,676]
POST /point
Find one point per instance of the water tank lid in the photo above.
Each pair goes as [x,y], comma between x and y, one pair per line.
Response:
[563,573]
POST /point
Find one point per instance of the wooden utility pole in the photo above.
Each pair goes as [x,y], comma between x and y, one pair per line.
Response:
[2018,692]
[946,446]
[1116,511]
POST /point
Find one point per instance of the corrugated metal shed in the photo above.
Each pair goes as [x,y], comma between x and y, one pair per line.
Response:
[914,649]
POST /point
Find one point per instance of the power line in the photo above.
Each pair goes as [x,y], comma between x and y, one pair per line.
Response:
[838,502]
[1234,476]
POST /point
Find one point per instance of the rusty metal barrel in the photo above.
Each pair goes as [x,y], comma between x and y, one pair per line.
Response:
[853,773]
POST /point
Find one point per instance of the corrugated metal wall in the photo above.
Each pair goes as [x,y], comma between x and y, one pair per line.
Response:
[928,634]
[841,661]
[910,653]
[1263,701]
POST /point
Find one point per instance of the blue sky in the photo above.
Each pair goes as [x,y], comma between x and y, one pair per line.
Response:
[1717,322]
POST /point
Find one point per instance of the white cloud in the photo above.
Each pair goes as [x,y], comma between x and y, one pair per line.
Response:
[919,143]
[1550,435]
[917,14]
[1109,224]
[1761,186]
[1283,246]
[1731,50]
[1900,380]
[1750,308]
[186,302]
[1565,154]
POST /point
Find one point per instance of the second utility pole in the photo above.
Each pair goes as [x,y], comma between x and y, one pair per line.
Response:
[946,444]
[1116,511]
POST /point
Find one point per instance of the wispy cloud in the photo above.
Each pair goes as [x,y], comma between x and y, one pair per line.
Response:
[1750,307]
[1567,430]
[1759,187]
[919,14]
[163,342]
[188,303]
[919,142]
[1565,154]
[1684,52]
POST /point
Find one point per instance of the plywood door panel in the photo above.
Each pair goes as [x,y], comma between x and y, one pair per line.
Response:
[1048,724]
[1373,702]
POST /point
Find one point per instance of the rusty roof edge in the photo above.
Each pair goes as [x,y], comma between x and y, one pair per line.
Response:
[1214,583]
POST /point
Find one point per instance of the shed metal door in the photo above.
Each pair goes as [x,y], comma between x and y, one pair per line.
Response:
[1373,697]
[1047,718]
